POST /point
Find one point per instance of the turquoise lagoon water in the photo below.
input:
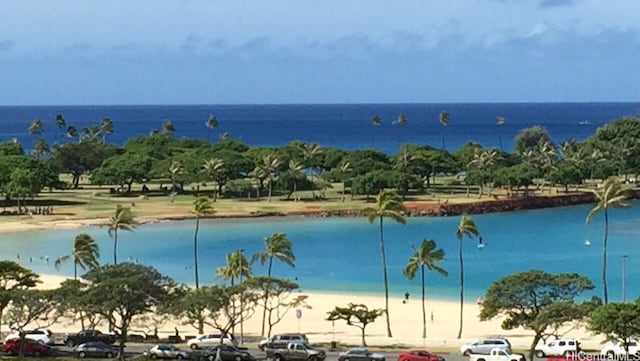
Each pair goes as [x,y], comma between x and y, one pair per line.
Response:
[342,254]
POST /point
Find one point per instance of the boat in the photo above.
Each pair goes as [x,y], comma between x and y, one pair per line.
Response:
[584,122]
[587,242]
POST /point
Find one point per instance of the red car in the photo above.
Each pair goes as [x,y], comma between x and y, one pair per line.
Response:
[31,347]
[419,355]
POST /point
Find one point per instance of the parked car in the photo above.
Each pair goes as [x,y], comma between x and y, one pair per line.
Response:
[166,351]
[485,346]
[611,349]
[227,353]
[419,355]
[360,354]
[498,354]
[95,349]
[211,340]
[282,340]
[296,351]
[42,336]
[85,336]
[560,347]
[31,347]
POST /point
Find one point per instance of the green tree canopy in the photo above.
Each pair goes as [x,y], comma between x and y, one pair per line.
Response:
[357,315]
[617,321]
[529,138]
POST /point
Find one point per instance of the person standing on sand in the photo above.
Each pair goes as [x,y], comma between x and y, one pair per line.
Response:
[431,316]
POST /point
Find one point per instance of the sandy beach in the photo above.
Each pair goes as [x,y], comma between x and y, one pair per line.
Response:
[406,323]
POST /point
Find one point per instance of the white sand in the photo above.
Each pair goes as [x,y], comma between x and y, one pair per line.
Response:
[406,322]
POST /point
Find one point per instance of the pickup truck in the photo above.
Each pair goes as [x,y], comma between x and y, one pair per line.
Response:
[85,336]
[295,351]
[498,354]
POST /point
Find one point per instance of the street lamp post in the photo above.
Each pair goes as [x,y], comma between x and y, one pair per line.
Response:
[241,266]
[623,259]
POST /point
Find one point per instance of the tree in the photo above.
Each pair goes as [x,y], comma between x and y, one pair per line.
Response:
[295,168]
[311,153]
[123,219]
[617,321]
[345,168]
[167,126]
[529,138]
[123,170]
[376,121]
[269,166]
[72,132]
[14,278]
[80,158]
[23,183]
[75,305]
[275,296]
[429,256]
[60,123]
[211,122]
[484,161]
[120,292]
[500,122]
[106,127]
[358,315]
[214,169]
[466,227]
[237,267]
[36,127]
[388,205]
[202,206]
[276,246]
[610,194]
[32,306]
[444,119]
[41,148]
[536,300]
[84,253]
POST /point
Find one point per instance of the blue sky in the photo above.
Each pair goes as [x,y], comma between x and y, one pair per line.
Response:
[336,51]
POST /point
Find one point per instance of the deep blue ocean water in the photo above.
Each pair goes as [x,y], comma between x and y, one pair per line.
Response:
[346,126]
[342,254]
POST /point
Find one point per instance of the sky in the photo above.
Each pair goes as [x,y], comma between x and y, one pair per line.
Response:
[317,51]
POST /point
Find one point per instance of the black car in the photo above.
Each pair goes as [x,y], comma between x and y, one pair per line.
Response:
[227,353]
[95,349]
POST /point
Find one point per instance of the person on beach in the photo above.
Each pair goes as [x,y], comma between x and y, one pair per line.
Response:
[406,296]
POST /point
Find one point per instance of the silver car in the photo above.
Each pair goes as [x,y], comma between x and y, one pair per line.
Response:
[165,351]
[485,346]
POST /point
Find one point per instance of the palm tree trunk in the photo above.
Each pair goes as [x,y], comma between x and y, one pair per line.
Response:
[604,256]
[270,184]
[386,282]
[343,190]
[424,311]
[266,298]
[115,246]
[500,141]
[195,268]
[233,307]
[461,288]
[75,272]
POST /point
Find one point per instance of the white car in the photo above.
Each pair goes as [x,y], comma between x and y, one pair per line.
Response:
[498,354]
[611,349]
[560,347]
[165,351]
[485,346]
[210,340]
[43,336]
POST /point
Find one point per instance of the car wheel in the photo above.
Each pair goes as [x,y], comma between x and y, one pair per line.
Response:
[610,354]
[109,355]
[211,358]
[237,358]
[154,356]
[278,358]
[466,353]
[36,353]
[82,354]
[539,354]
[194,346]
[11,353]
[313,358]
[180,357]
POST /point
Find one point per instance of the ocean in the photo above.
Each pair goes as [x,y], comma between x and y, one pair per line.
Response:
[342,254]
[346,126]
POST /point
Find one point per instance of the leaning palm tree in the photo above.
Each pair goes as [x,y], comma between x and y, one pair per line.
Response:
[444,119]
[211,122]
[123,219]
[500,122]
[466,227]
[310,153]
[85,254]
[276,246]
[388,205]
[376,121]
[40,148]
[215,170]
[36,127]
[60,122]
[106,127]
[610,194]
[72,132]
[344,169]
[427,255]
[295,168]
[270,165]
[167,126]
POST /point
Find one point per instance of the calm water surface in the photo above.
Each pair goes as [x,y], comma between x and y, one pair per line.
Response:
[342,254]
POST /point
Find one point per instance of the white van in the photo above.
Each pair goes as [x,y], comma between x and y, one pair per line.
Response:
[210,340]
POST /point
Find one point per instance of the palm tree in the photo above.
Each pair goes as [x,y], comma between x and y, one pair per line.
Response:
[610,194]
[500,122]
[295,167]
[444,120]
[167,126]
[201,206]
[376,121]
[310,152]
[484,160]
[214,169]
[175,170]
[466,227]
[36,127]
[72,132]
[85,253]
[123,219]
[60,123]
[344,169]
[211,122]
[427,255]
[547,154]
[237,267]
[106,127]
[40,148]
[270,164]
[277,246]
[388,205]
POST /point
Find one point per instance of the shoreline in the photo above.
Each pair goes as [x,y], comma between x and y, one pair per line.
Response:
[413,209]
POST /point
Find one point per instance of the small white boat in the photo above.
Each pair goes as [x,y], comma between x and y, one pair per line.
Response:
[584,122]
[587,242]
